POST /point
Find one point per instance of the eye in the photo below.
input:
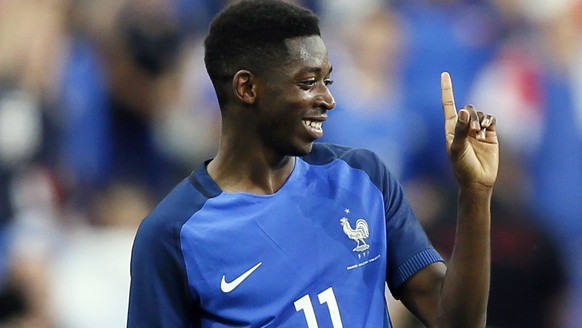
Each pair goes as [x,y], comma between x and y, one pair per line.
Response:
[306,84]
[309,83]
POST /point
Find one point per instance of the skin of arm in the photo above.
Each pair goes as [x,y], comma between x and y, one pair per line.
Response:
[456,295]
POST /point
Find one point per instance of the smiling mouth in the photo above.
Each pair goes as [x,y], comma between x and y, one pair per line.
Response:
[313,125]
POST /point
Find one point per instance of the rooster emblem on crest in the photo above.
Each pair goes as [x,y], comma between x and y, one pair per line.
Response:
[358,234]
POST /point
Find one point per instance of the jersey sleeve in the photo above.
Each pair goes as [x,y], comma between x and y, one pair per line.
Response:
[409,249]
[159,292]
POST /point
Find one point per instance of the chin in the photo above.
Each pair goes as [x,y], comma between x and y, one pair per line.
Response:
[305,149]
[300,150]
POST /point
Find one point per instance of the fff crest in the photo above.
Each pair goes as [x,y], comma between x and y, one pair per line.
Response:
[358,234]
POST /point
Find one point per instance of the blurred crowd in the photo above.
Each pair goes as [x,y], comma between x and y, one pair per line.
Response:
[105,105]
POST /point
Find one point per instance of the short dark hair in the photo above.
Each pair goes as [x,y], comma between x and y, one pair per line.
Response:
[251,35]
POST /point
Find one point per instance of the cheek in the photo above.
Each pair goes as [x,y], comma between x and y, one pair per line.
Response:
[285,121]
[287,110]
[281,124]
[283,111]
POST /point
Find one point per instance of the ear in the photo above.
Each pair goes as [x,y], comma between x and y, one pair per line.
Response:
[243,85]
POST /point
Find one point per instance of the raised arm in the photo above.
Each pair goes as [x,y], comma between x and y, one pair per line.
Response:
[456,296]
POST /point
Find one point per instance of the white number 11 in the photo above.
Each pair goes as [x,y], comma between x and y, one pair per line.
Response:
[327,296]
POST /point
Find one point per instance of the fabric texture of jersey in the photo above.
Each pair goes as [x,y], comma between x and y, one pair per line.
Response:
[316,253]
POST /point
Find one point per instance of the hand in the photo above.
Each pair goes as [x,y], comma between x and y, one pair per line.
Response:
[471,141]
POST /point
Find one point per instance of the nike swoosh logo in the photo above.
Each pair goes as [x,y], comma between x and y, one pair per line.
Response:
[228,287]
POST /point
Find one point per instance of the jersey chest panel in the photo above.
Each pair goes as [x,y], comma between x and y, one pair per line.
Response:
[317,245]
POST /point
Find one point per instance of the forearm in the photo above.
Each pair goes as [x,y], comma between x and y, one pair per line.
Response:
[465,289]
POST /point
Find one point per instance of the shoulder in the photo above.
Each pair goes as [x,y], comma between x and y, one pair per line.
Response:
[159,293]
[157,248]
[357,158]
[165,221]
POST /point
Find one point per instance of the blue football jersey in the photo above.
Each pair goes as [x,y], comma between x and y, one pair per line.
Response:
[317,253]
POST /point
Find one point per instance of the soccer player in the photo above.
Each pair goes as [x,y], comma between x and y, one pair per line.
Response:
[280,231]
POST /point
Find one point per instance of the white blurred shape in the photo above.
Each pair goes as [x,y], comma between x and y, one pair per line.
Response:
[89,280]
[20,128]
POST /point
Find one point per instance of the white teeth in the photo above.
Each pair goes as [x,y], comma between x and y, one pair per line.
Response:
[313,124]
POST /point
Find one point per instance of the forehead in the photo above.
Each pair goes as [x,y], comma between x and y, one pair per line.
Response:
[307,51]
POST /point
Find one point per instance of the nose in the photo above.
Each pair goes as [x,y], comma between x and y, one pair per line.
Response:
[325,99]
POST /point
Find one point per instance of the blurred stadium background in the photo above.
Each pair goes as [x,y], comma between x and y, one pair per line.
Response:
[105,105]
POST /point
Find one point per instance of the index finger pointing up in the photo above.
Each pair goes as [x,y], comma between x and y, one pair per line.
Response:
[449,109]
[448,98]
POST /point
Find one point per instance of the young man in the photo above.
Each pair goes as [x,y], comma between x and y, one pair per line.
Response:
[280,231]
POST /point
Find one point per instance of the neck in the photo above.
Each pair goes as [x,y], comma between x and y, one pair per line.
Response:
[239,169]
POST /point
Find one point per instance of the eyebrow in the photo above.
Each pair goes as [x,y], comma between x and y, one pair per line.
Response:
[312,69]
